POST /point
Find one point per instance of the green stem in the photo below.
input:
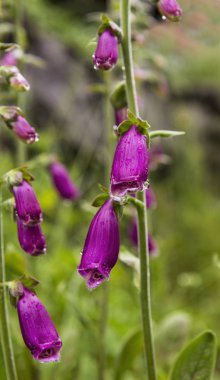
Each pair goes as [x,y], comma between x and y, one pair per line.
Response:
[7,349]
[102,331]
[145,294]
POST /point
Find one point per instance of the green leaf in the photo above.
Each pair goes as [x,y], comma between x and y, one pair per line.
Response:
[196,361]
[132,347]
[124,127]
[165,133]
[118,209]
[100,200]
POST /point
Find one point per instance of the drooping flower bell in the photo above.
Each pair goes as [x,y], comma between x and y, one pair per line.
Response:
[130,164]
[106,54]
[63,182]
[171,9]
[27,206]
[101,248]
[23,130]
[37,328]
[31,239]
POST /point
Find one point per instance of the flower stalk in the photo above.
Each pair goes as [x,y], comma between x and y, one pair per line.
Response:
[6,343]
[141,206]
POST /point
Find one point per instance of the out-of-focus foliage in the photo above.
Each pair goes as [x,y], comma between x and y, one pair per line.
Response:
[70,117]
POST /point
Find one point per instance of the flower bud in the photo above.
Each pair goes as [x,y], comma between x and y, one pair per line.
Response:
[17,81]
[27,206]
[9,59]
[63,182]
[23,130]
[170,9]
[106,54]
[31,239]
[121,115]
[130,164]
[37,328]
[100,252]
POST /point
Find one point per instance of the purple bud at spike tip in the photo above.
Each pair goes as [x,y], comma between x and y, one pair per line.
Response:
[23,130]
[38,330]
[31,239]
[106,54]
[130,164]
[170,9]
[63,182]
[100,252]
[27,205]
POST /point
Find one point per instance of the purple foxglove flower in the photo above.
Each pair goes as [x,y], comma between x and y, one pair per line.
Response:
[27,205]
[130,164]
[37,328]
[120,115]
[23,130]
[63,182]
[170,9]
[150,198]
[101,248]
[133,236]
[106,54]
[31,239]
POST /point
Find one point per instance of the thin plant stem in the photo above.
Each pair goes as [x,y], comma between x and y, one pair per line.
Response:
[5,333]
[145,293]
[102,330]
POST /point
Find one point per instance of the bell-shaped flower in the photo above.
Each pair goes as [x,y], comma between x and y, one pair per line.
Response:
[27,206]
[106,54]
[101,248]
[31,238]
[37,328]
[130,164]
[171,9]
[62,181]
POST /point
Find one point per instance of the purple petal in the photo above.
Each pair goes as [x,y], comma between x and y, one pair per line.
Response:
[106,54]
[31,239]
[63,182]
[23,130]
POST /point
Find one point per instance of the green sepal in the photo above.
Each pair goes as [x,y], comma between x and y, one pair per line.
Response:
[8,46]
[124,127]
[165,133]
[100,200]
[29,281]
[27,176]
[10,113]
[141,124]
[107,23]
[118,97]
[103,188]
[118,208]
[15,288]
[15,176]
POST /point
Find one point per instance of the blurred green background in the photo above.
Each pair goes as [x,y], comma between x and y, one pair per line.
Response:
[178,77]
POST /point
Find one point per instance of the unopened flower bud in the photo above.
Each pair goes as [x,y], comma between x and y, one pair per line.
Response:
[23,130]
[37,328]
[106,54]
[170,9]
[18,82]
[63,182]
